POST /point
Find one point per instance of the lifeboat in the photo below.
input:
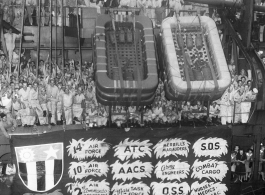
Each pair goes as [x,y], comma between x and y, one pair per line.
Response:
[192,59]
[125,60]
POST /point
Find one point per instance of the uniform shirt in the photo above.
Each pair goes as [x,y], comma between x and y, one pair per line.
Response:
[92,112]
[43,99]
[89,95]
[33,95]
[148,113]
[225,98]
[52,92]
[250,96]
[24,94]
[10,40]
[67,100]
[158,110]
[6,101]
[102,112]
[7,124]
[238,97]
[2,63]
[79,98]
[16,106]
[15,57]
[60,95]
[132,109]
[214,110]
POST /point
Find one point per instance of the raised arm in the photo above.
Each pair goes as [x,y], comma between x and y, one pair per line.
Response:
[2,128]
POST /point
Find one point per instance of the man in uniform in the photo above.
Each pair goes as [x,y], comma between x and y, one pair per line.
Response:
[59,104]
[7,123]
[52,95]
[67,106]
[24,94]
[34,102]
[27,116]
[78,106]
[10,39]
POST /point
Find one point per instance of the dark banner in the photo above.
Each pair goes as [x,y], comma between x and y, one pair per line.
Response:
[177,161]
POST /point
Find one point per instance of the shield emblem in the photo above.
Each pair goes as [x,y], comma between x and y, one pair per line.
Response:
[40,167]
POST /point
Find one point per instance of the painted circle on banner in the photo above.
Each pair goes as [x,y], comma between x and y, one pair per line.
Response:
[26,155]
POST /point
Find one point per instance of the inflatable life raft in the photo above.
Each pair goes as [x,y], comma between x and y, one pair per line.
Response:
[192,59]
[125,60]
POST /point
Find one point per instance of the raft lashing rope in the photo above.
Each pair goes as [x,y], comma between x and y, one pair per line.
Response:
[195,53]
[128,58]
[125,61]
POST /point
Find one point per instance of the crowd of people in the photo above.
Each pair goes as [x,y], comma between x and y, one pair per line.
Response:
[154,9]
[242,163]
[53,94]
[235,103]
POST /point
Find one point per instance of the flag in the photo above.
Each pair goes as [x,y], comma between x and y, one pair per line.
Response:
[39,162]
[40,166]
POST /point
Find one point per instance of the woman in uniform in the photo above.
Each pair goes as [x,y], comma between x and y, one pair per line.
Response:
[240,165]
[249,164]
[262,162]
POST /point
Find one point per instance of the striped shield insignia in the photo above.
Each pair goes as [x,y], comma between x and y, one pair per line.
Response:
[40,167]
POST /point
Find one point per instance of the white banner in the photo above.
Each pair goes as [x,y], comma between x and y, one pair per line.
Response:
[79,170]
[132,149]
[172,170]
[210,169]
[170,188]
[131,188]
[128,171]
[209,188]
[212,147]
[90,148]
[174,146]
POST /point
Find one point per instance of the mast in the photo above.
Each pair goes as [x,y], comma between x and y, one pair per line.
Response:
[56,15]
[38,44]
[78,39]
[63,23]
[50,60]
[21,38]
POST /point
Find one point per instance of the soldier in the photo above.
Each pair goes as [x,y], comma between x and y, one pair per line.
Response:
[237,99]
[10,39]
[102,117]
[59,104]
[30,4]
[141,4]
[7,123]
[157,111]
[187,111]
[43,103]
[2,61]
[79,104]
[91,117]
[34,101]
[24,94]
[214,112]
[52,95]
[250,95]
[6,100]
[6,14]
[16,107]
[67,106]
